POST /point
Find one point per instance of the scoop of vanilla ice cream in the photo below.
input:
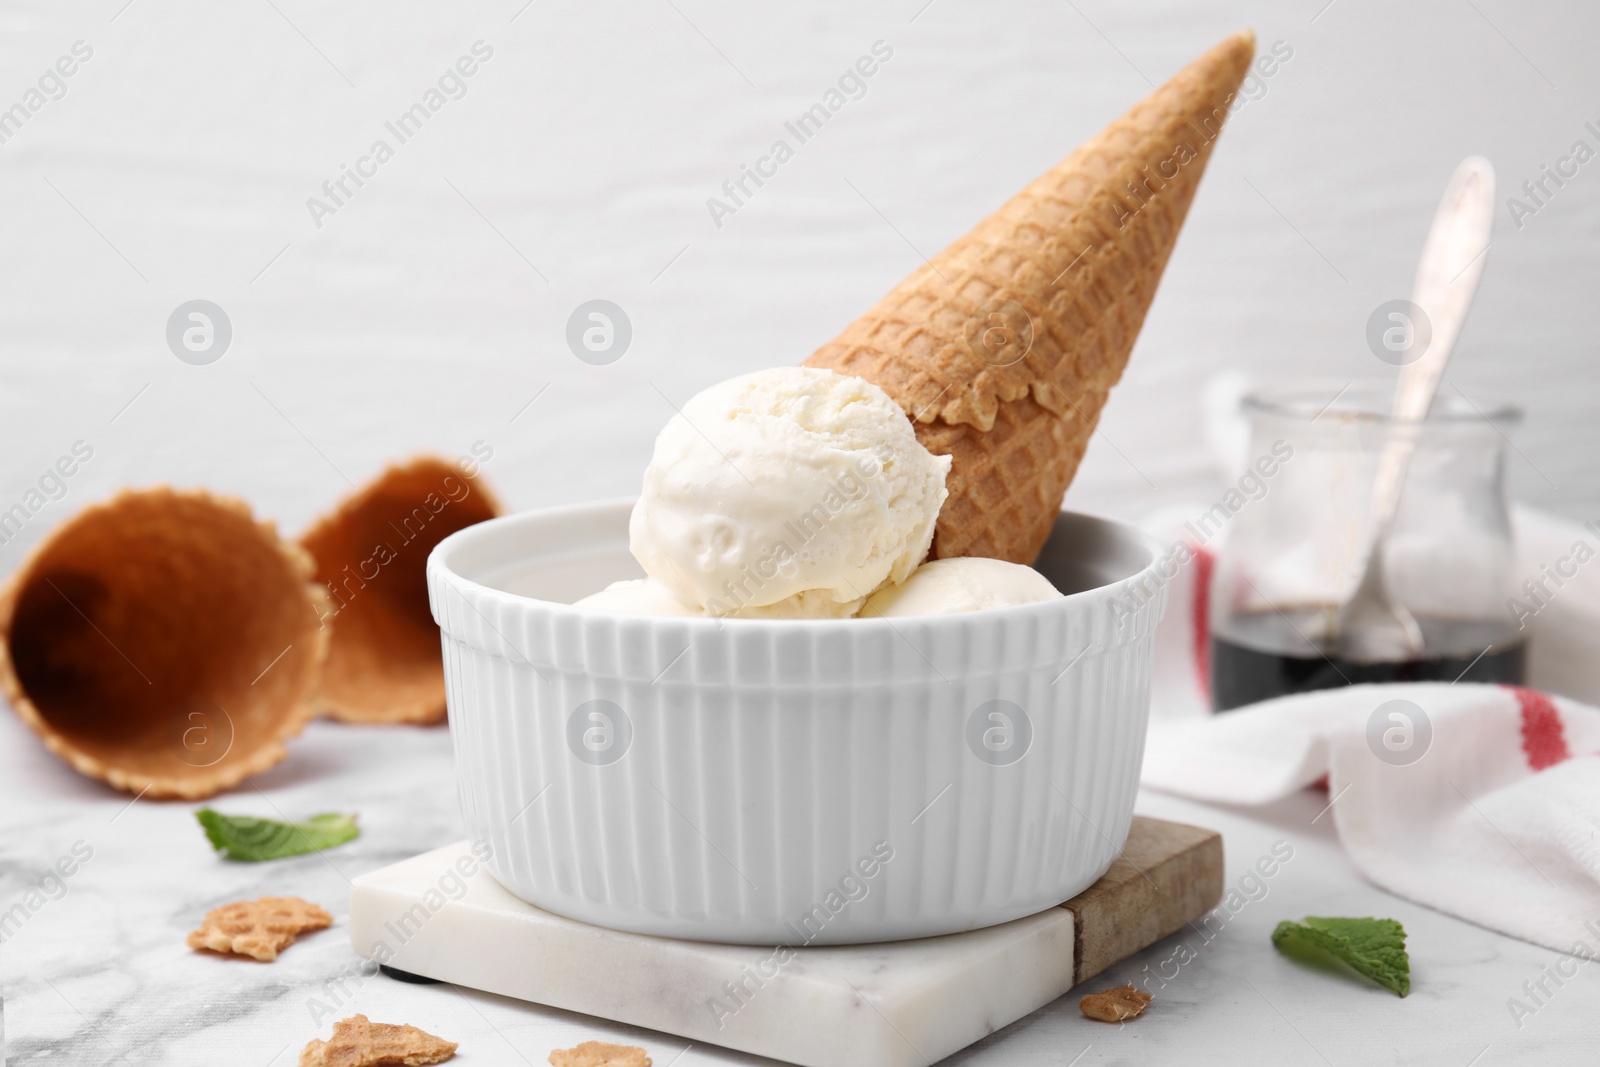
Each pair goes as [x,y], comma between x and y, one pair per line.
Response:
[961,583]
[639,596]
[788,493]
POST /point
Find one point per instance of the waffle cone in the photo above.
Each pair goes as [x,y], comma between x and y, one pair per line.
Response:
[163,641]
[1003,348]
[371,555]
[358,1042]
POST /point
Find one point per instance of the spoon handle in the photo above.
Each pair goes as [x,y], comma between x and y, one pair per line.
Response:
[1447,277]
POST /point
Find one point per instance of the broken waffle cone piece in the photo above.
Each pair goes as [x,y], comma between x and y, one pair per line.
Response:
[259,928]
[163,641]
[1115,1005]
[600,1054]
[371,554]
[1003,347]
[360,1042]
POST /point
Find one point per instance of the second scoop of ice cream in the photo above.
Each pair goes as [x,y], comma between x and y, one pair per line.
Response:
[637,596]
[792,492]
[961,583]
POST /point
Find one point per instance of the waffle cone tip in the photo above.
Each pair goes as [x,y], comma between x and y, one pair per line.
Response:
[1003,348]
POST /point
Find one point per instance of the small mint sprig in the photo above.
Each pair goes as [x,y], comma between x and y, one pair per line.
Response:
[1373,947]
[246,838]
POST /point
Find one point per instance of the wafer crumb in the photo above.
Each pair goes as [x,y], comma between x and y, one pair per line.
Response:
[258,928]
[360,1042]
[600,1054]
[1115,1004]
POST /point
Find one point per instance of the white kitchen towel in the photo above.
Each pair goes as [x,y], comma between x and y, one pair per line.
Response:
[1496,821]
[1482,801]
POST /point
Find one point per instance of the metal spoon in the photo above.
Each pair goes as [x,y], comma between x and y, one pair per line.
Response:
[1369,627]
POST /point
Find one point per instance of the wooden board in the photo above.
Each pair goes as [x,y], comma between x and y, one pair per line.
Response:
[1168,875]
[928,998]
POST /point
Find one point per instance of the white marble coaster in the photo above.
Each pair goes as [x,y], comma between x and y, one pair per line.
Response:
[891,1005]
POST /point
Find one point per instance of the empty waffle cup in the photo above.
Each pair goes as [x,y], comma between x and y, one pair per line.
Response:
[384,660]
[164,641]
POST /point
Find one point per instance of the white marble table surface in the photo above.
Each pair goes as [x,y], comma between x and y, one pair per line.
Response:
[101,975]
[179,165]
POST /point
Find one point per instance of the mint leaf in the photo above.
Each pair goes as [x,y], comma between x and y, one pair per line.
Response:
[1374,947]
[244,837]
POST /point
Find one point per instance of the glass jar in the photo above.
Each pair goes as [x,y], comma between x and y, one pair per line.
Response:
[1297,539]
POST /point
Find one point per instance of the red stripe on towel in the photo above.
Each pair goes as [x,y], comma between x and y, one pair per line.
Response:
[1201,605]
[1544,738]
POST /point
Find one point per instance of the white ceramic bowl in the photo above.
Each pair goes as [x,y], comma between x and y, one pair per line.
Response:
[791,781]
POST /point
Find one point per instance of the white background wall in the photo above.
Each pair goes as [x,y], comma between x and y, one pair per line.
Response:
[432,307]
